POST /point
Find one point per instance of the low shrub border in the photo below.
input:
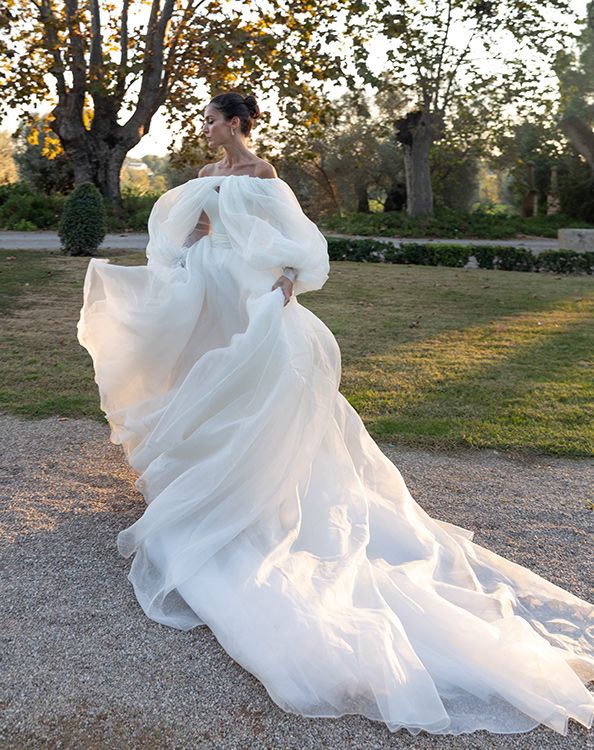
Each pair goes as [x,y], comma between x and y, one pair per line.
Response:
[491,256]
[481,223]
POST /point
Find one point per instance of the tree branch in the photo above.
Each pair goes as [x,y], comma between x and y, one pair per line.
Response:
[51,43]
[453,73]
[122,68]
[446,34]
[79,66]
[149,96]
[171,61]
[96,56]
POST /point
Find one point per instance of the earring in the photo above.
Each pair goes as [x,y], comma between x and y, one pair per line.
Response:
[232,131]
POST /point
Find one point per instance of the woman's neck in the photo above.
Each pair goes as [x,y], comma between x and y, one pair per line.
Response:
[237,156]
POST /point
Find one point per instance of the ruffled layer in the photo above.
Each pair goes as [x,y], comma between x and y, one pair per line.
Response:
[275,519]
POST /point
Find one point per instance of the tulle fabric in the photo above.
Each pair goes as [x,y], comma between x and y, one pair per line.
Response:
[275,519]
[262,220]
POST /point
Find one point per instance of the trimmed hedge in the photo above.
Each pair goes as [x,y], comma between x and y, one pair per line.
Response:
[441,254]
[82,228]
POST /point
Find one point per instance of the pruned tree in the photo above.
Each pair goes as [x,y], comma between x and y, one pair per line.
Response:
[451,53]
[125,60]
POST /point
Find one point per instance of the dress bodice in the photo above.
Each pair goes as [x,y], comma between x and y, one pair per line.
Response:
[211,208]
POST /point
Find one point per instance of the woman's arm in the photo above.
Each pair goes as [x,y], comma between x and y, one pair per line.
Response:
[202,228]
[266,170]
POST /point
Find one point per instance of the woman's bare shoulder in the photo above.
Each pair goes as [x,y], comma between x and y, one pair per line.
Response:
[261,168]
[206,170]
[265,169]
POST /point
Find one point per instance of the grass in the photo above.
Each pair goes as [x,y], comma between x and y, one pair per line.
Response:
[43,369]
[432,357]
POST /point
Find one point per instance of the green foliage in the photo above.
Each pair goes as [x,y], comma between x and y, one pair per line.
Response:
[145,176]
[454,174]
[506,258]
[40,161]
[82,227]
[566,261]
[477,224]
[444,254]
[500,257]
[576,188]
[134,213]
[46,54]
[345,160]
[23,209]
[368,251]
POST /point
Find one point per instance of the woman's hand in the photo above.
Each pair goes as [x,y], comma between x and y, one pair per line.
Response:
[286,285]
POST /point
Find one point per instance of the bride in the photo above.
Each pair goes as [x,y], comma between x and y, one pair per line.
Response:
[272,516]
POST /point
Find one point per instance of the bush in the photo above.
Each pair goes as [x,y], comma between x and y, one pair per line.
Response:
[22,209]
[133,213]
[435,254]
[82,228]
[478,224]
[456,256]
[566,261]
[366,251]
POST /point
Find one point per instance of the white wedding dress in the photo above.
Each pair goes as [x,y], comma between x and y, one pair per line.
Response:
[275,519]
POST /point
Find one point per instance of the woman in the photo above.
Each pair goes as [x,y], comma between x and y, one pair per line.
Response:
[272,516]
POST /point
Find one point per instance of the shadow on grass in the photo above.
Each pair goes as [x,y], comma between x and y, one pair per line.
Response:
[536,393]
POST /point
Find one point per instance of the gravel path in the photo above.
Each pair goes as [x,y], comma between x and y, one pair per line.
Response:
[83,667]
[11,240]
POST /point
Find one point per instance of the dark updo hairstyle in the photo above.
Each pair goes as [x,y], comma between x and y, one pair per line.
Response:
[232,103]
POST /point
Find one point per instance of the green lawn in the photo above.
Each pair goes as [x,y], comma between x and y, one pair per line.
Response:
[433,357]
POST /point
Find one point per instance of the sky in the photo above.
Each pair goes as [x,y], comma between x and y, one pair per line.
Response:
[160,135]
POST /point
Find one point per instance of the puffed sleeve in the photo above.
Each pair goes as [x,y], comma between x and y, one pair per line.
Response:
[269,229]
[176,221]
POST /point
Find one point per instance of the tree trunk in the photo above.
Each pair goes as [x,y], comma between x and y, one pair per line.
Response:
[97,162]
[97,155]
[417,132]
[396,197]
[107,172]
[362,199]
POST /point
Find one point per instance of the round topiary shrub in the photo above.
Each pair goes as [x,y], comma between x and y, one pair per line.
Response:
[82,227]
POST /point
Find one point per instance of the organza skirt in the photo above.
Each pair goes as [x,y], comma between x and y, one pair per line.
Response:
[275,519]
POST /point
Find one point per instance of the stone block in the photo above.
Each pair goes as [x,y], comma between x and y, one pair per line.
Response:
[580,240]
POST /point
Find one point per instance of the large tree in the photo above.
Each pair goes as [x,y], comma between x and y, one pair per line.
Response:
[575,69]
[123,61]
[451,54]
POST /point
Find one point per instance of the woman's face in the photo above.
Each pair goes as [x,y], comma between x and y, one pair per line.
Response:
[216,129]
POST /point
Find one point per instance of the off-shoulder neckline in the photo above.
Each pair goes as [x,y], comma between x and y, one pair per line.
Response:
[249,176]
